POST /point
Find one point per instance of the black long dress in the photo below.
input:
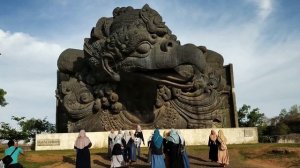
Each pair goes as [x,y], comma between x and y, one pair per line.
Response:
[83,157]
[213,150]
[174,154]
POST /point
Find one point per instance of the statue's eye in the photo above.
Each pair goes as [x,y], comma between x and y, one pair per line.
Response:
[143,48]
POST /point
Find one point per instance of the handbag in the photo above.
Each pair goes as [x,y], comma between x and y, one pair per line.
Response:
[8,159]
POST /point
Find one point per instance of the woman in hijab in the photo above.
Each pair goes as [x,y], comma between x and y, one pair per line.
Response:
[185,158]
[213,146]
[223,156]
[165,150]
[157,160]
[117,159]
[82,145]
[111,138]
[139,137]
[132,152]
[149,149]
[173,151]
[128,143]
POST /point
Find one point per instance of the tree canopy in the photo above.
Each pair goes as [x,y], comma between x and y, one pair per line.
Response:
[27,128]
[2,98]
[248,117]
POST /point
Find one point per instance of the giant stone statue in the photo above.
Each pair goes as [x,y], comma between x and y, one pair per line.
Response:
[133,70]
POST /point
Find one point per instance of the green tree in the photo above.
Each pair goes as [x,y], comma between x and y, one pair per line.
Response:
[2,98]
[7,132]
[281,129]
[27,128]
[283,114]
[34,126]
[294,110]
[248,117]
[242,115]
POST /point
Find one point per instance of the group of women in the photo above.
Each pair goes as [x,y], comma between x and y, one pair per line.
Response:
[124,148]
[173,147]
[164,152]
[218,151]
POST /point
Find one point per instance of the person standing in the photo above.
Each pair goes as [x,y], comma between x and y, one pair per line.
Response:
[82,145]
[14,151]
[128,143]
[223,156]
[173,151]
[139,137]
[132,152]
[165,150]
[213,146]
[185,158]
[111,138]
[149,149]
[156,145]
[117,159]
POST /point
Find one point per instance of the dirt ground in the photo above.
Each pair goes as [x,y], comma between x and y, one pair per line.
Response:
[241,156]
[257,157]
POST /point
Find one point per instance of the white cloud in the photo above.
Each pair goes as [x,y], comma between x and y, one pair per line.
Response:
[265,70]
[265,8]
[28,74]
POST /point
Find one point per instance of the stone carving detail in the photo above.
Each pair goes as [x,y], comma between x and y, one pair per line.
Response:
[133,70]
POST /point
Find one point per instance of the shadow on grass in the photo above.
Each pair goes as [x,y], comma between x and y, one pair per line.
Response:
[143,157]
[97,162]
[200,162]
[198,158]
[68,159]
[104,156]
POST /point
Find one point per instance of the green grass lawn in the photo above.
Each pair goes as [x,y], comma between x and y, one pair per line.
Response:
[241,155]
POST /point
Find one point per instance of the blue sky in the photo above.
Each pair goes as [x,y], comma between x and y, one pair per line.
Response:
[261,38]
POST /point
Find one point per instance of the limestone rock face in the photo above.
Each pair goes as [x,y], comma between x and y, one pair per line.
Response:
[133,70]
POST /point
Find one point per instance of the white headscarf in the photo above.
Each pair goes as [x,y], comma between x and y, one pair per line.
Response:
[180,137]
[127,136]
[118,138]
[112,134]
[82,140]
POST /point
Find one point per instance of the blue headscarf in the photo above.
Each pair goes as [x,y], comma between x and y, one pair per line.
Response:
[157,139]
[173,136]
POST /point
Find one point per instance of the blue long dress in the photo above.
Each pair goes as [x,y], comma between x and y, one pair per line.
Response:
[132,150]
[156,145]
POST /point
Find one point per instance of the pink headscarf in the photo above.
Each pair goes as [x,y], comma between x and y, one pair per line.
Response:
[213,135]
[82,140]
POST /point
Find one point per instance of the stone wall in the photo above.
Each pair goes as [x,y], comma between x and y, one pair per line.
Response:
[61,141]
[291,138]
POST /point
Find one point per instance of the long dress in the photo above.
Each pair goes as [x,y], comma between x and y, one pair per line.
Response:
[223,156]
[110,146]
[213,150]
[185,158]
[132,150]
[174,155]
[117,156]
[166,152]
[129,150]
[149,151]
[83,157]
[139,137]
[157,159]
